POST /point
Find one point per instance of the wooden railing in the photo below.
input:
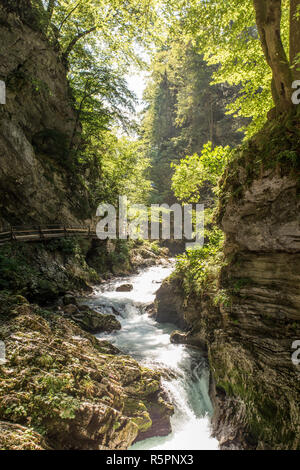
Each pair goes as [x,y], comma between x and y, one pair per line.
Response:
[44,232]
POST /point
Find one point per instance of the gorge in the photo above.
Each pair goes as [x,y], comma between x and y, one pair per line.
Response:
[132,344]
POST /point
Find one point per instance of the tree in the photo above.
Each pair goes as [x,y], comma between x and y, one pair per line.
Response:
[295,38]
[102,98]
[118,25]
[196,172]
[249,41]
[268,20]
[184,112]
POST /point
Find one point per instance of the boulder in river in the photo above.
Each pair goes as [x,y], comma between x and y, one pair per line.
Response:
[178,337]
[92,321]
[169,304]
[159,412]
[125,288]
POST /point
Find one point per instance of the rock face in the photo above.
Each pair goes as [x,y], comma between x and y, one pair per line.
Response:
[266,219]
[250,324]
[80,392]
[43,271]
[169,304]
[16,437]
[251,352]
[177,337]
[36,126]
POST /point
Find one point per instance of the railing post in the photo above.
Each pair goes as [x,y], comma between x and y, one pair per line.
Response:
[41,233]
[65,231]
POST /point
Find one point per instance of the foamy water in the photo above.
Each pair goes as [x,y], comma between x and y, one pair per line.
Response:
[149,343]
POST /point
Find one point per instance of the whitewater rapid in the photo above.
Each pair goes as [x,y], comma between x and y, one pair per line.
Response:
[149,343]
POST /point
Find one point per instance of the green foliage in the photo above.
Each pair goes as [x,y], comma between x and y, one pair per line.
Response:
[12,272]
[226,33]
[194,171]
[122,165]
[67,246]
[99,41]
[114,258]
[198,269]
[184,112]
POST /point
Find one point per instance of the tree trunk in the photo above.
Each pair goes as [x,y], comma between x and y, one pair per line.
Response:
[295,38]
[268,19]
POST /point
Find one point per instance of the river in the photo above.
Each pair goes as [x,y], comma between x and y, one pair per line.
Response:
[149,343]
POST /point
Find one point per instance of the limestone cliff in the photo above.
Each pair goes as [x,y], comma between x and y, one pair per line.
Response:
[250,323]
[36,126]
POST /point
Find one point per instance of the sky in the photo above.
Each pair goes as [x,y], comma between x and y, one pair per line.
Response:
[137,83]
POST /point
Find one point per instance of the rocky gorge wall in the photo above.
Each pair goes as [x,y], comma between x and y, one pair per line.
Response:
[36,127]
[249,324]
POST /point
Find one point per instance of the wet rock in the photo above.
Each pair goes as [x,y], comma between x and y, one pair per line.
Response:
[83,308]
[168,374]
[75,388]
[108,348]
[92,321]
[160,413]
[69,299]
[70,310]
[151,310]
[169,304]
[125,288]
[177,337]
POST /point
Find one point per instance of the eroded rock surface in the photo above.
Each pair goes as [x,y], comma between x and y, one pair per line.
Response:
[251,321]
[36,126]
[81,393]
[16,437]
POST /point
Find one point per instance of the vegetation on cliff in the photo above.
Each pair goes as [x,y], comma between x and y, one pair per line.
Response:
[68,141]
[238,296]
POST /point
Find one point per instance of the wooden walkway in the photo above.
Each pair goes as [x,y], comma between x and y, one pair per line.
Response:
[44,232]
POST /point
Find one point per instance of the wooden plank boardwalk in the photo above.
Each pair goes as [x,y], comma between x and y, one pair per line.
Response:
[44,232]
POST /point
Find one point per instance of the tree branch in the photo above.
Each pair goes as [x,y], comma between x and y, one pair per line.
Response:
[50,11]
[75,40]
[68,16]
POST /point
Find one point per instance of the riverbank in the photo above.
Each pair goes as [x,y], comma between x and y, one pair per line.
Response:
[61,388]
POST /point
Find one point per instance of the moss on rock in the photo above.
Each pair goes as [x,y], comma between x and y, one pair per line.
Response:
[69,387]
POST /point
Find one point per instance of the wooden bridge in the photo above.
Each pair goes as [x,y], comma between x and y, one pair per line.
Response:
[44,232]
